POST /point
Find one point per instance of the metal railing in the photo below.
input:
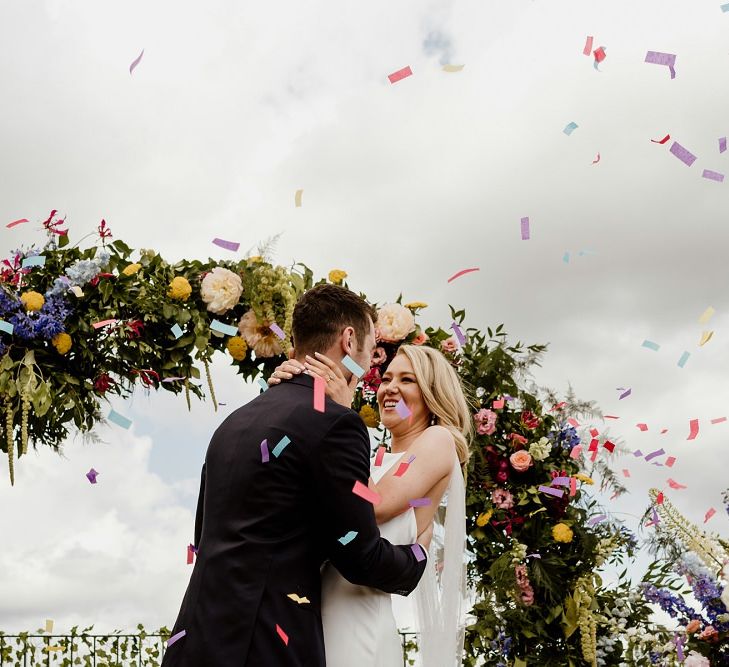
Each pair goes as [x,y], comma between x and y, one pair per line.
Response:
[107,650]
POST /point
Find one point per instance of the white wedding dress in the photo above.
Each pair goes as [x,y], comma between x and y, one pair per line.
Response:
[359,626]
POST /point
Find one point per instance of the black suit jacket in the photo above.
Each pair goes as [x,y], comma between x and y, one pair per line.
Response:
[263,531]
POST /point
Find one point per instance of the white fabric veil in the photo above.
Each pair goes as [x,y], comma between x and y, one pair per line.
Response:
[441,597]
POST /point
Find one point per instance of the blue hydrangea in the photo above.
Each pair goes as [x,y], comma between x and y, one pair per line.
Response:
[567,437]
[80,272]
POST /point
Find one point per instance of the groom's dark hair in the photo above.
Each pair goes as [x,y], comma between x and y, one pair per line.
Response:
[323,312]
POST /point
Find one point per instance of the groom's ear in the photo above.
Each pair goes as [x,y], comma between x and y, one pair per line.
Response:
[348,340]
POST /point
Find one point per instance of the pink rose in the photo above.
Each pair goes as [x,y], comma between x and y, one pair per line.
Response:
[379,356]
[709,634]
[521,460]
[449,345]
[517,441]
[486,421]
[420,339]
[502,499]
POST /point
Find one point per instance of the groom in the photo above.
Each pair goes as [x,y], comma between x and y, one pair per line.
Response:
[276,501]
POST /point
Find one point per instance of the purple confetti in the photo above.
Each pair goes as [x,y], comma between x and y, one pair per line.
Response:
[228,245]
[174,638]
[656,519]
[652,455]
[135,63]
[534,556]
[679,648]
[561,481]
[419,502]
[658,58]
[459,334]
[402,409]
[552,492]
[722,144]
[625,394]
[713,175]
[174,379]
[91,474]
[277,330]
[682,154]
[264,451]
[418,551]
[637,453]
[597,519]
[525,229]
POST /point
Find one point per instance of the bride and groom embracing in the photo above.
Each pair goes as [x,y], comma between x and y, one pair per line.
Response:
[296,530]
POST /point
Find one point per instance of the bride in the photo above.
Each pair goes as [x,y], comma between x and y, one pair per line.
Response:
[429,450]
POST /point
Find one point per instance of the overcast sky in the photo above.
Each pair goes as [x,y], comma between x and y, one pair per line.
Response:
[235,106]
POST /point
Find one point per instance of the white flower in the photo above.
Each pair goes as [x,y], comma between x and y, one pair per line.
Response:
[694,659]
[394,322]
[221,290]
[540,450]
[725,595]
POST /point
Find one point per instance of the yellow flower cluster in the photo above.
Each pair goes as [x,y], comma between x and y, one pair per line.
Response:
[237,347]
[256,259]
[562,533]
[62,343]
[369,416]
[336,276]
[414,305]
[32,301]
[584,478]
[484,518]
[131,269]
[179,289]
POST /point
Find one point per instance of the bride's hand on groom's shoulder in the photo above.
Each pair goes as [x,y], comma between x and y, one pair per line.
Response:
[338,388]
[285,371]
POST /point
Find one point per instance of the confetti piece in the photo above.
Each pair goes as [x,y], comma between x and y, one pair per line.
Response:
[595,161]
[705,338]
[419,502]
[400,74]
[297,198]
[687,157]
[561,481]
[662,141]
[611,417]
[626,472]
[718,420]
[711,511]
[418,551]
[277,330]
[91,475]
[575,451]
[402,409]
[366,493]
[600,55]
[453,68]
[403,467]
[76,290]
[36,260]
[652,455]
[707,315]
[525,229]
[596,519]
[380,456]
[135,62]
[103,323]
[174,379]
[176,331]
[675,485]
[684,358]
[461,273]
[282,634]
[459,334]
[725,8]
[570,128]
[642,427]
[278,449]
[190,554]
[609,446]
[593,445]
[498,404]
[637,452]
[566,258]
[6,327]
[49,625]
[670,461]
[573,422]
[227,329]
[658,58]
[348,537]
[297,599]
[693,429]
[15,223]
[228,245]
[588,46]
[722,143]
[174,638]
[679,641]
[573,486]
[264,451]
[552,492]
[263,384]
[713,175]
[119,420]
[625,394]
[651,345]
[352,366]
[320,388]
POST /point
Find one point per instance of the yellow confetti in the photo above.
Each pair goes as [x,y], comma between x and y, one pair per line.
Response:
[296,598]
[705,338]
[708,314]
[53,648]
[453,68]
[297,198]
[49,626]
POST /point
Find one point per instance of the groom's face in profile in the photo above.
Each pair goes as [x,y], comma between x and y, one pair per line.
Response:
[362,351]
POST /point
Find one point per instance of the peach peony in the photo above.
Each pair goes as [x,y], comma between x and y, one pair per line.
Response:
[394,322]
[694,659]
[221,290]
[521,460]
[258,335]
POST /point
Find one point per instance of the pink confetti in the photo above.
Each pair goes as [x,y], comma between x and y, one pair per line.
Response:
[675,485]
[573,486]
[713,175]
[365,493]
[597,159]
[400,74]
[525,229]
[573,422]
[228,245]
[611,417]
[588,46]
[599,54]
[694,429]
[16,222]
[498,404]
[670,461]
[135,62]
[665,430]
[642,427]
[461,273]
[686,156]
[626,472]
[282,634]
[190,554]
[380,456]
[103,323]
[709,514]
[718,420]
[320,388]
[575,451]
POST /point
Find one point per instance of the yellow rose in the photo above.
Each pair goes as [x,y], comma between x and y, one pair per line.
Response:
[131,269]
[32,301]
[256,259]
[414,305]
[179,289]
[336,276]
[484,518]
[237,347]
[584,478]
[62,343]
[562,533]
[369,416]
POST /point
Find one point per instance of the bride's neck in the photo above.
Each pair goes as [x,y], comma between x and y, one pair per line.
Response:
[401,441]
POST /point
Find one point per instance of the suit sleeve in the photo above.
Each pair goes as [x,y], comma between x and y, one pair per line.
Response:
[199,512]
[341,459]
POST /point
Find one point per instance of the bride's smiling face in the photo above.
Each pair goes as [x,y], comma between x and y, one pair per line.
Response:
[399,382]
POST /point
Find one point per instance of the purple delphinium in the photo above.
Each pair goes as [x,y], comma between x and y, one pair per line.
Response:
[566,437]
[670,603]
[44,323]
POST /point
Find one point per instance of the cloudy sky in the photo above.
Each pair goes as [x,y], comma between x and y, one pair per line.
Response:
[235,106]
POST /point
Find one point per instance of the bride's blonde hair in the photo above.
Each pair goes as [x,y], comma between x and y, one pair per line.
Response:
[443,395]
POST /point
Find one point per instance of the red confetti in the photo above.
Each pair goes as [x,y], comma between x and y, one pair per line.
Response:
[593,445]
[693,429]
[588,46]
[594,432]
[16,222]
[662,141]
[400,74]
[659,498]
[642,427]
[709,514]
[597,159]
[599,54]
[675,485]
[282,634]
[609,446]
[611,417]
[461,273]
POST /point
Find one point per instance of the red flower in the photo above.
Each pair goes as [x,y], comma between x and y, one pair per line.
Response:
[103,383]
[529,420]
[95,280]
[372,380]
[134,328]
[517,441]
